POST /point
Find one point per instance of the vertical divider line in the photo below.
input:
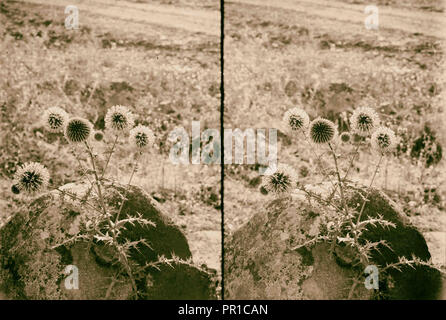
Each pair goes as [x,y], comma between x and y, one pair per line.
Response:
[222,148]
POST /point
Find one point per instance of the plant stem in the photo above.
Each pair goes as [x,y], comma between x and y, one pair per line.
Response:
[335,158]
[341,189]
[355,153]
[129,270]
[84,171]
[135,165]
[110,287]
[368,189]
[352,289]
[109,157]
[98,184]
[324,173]
[320,199]
[122,256]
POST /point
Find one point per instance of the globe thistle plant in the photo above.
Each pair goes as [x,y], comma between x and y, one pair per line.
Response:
[101,220]
[141,137]
[322,131]
[54,119]
[364,121]
[296,119]
[119,118]
[78,130]
[342,221]
[31,178]
[383,140]
[282,181]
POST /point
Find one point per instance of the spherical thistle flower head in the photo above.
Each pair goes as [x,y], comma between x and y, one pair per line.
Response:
[15,189]
[345,137]
[322,131]
[119,118]
[142,137]
[296,119]
[98,136]
[31,178]
[383,140]
[54,119]
[364,120]
[78,130]
[282,181]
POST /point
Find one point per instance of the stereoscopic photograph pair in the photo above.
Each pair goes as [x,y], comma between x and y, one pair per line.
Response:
[222,150]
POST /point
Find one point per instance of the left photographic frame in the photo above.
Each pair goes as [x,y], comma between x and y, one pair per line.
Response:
[109,172]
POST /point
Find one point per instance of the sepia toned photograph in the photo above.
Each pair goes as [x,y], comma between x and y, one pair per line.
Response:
[92,94]
[222,156]
[356,206]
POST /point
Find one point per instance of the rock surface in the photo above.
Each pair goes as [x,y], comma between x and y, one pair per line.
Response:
[30,268]
[261,265]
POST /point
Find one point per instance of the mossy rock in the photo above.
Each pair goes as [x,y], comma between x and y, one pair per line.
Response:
[32,267]
[260,262]
[170,282]
[421,282]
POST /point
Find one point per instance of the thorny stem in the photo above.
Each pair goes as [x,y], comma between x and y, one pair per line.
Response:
[78,199]
[122,256]
[129,271]
[64,242]
[352,289]
[313,195]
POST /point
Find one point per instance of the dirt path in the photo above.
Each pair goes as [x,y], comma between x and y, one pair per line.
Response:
[411,21]
[192,20]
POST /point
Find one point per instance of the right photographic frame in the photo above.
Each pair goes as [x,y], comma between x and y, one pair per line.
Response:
[334,177]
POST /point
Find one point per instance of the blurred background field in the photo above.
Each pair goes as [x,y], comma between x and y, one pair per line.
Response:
[165,71]
[318,54]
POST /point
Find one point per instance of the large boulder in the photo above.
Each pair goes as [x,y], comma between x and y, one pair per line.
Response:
[33,263]
[261,262]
